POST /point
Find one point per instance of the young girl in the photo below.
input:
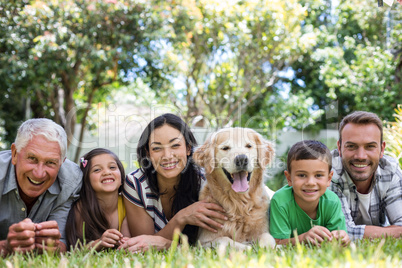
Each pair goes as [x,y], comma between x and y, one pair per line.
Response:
[162,195]
[99,213]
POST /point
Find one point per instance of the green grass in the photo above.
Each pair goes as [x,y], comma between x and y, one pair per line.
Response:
[377,253]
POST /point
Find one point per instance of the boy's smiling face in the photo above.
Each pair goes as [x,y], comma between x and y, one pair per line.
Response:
[310,179]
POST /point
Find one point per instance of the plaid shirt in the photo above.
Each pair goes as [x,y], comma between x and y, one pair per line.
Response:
[385,200]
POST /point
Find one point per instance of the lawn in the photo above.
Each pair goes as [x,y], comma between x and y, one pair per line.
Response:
[377,253]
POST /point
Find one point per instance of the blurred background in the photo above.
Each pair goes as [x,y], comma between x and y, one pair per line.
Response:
[289,69]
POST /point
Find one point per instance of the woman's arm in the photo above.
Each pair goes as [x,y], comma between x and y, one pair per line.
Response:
[125,230]
[202,214]
[142,226]
[139,221]
[205,215]
[142,230]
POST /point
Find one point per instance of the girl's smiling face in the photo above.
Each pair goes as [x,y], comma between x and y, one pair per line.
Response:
[104,174]
[168,152]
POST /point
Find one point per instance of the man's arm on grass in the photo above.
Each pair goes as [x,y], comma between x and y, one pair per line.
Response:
[393,201]
[354,231]
[372,231]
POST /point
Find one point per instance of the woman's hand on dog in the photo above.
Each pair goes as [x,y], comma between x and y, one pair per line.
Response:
[202,214]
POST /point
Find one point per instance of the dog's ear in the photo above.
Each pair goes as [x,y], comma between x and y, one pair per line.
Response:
[266,150]
[204,156]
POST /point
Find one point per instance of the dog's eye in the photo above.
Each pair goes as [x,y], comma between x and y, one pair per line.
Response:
[249,145]
[225,148]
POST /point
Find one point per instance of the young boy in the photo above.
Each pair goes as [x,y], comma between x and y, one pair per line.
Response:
[305,206]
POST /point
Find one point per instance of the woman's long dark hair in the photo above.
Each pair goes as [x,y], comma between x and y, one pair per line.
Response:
[88,206]
[190,179]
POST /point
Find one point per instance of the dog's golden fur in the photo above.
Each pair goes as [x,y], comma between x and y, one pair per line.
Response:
[246,205]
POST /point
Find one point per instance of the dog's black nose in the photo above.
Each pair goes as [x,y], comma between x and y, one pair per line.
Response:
[241,161]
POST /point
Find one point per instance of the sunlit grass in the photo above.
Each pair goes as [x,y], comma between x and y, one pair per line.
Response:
[377,253]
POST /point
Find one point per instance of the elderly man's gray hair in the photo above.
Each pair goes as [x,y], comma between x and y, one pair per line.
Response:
[41,126]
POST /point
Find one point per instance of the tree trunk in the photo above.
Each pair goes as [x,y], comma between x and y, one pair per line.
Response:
[83,123]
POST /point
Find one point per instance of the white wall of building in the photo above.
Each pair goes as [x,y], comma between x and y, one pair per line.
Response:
[120,133]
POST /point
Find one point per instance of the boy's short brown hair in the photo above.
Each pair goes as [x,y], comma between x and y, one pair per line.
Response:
[309,150]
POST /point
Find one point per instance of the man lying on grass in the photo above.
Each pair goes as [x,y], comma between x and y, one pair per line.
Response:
[305,206]
[37,188]
[368,183]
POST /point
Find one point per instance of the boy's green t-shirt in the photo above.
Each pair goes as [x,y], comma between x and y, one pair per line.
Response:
[286,215]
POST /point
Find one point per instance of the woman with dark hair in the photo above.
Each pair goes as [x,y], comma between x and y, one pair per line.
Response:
[97,219]
[162,195]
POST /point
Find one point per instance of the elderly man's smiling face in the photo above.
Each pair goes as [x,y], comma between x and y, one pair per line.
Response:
[36,166]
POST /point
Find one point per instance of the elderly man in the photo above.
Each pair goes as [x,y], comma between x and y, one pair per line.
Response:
[37,188]
[368,182]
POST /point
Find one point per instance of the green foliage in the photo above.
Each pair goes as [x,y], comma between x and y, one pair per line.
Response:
[60,50]
[393,136]
[12,111]
[270,115]
[376,253]
[3,144]
[354,65]
[268,65]
[11,101]
[226,56]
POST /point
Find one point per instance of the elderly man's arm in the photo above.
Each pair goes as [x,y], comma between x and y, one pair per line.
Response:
[4,251]
[47,237]
[20,238]
[55,227]
[50,235]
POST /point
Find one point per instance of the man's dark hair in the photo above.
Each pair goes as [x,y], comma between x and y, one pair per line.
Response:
[360,118]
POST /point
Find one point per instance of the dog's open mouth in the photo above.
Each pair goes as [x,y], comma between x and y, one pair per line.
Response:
[239,180]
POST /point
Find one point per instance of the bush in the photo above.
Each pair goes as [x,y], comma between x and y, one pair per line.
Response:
[3,143]
[393,136]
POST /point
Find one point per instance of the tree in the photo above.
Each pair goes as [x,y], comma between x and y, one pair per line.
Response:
[393,136]
[224,56]
[354,65]
[58,50]
[12,101]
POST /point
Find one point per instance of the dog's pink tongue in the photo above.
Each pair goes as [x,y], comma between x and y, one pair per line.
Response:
[240,183]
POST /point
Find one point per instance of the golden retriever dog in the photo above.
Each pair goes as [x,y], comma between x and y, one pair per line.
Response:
[234,161]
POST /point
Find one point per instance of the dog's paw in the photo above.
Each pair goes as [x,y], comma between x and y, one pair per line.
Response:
[222,243]
[266,241]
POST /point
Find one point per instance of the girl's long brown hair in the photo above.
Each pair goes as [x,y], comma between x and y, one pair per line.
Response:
[94,222]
